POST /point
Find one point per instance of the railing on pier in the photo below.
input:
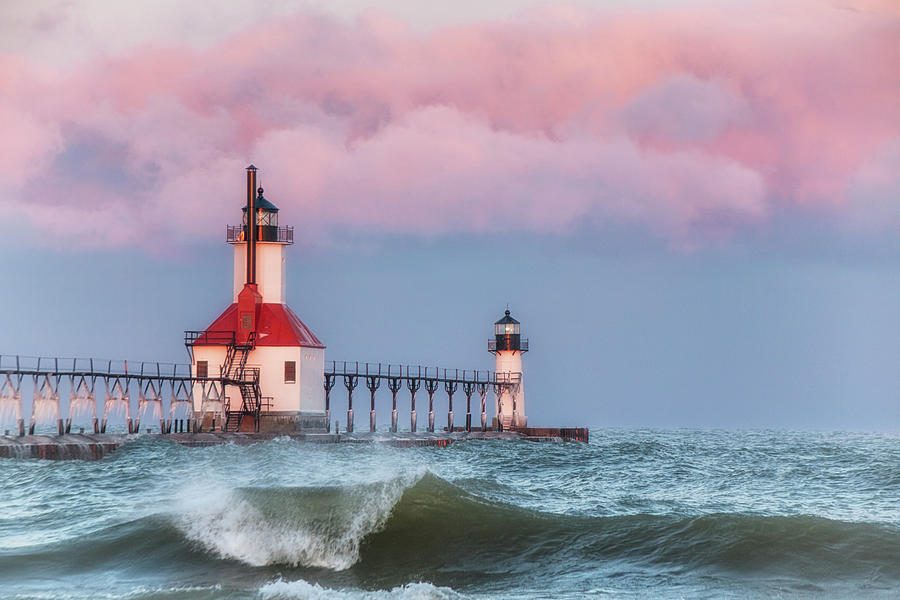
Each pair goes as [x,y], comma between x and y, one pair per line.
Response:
[391,371]
[92,367]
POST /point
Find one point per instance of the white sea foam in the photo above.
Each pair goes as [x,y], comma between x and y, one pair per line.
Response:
[141,592]
[312,527]
[302,590]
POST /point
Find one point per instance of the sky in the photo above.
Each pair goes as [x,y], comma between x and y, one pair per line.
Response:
[692,207]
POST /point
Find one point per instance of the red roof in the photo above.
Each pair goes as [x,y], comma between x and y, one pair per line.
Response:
[277,325]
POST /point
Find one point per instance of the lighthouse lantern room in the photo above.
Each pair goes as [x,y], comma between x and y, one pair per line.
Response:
[508,347]
[270,364]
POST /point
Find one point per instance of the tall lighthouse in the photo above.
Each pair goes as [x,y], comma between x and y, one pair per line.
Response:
[508,347]
[268,363]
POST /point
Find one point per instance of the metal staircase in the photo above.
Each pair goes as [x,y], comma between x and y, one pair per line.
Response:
[237,352]
[235,372]
[233,421]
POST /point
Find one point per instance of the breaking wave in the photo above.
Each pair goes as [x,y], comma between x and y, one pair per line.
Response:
[423,528]
[310,527]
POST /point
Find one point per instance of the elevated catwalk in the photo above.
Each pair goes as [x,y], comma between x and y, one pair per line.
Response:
[166,394]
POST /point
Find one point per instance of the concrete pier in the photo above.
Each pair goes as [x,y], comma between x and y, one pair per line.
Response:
[96,446]
[60,447]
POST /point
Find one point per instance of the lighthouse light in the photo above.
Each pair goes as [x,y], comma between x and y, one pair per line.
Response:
[506,329]
[264,217]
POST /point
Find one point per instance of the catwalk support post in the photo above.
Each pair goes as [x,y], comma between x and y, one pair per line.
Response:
[330,380]
[468,390]
[372,382]
[394,384]
[413,385]
[350,382]
[482,391]
[431,386]
[450,387]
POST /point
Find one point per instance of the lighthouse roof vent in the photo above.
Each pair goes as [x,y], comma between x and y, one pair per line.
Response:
[506,319]
[262,203]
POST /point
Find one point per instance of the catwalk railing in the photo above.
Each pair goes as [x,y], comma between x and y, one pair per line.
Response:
[391,371]
[92,367]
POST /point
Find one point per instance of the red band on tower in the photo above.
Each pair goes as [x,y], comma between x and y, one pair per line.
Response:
[251,224]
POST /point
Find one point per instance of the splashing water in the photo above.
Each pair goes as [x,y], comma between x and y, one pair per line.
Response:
[310,527]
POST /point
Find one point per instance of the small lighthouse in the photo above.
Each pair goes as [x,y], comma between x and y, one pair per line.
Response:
[269,364]
[508,347]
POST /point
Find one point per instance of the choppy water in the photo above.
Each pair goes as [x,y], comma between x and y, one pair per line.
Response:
[634,514]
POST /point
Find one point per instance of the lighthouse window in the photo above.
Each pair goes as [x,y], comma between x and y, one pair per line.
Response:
[290,371]
[202,368]
[246,321]
[264,217]
[507,329]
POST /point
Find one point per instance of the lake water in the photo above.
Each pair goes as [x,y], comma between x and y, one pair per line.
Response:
[633,514]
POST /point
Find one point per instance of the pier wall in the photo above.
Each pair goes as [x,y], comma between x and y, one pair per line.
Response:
[61,447]
[291,422]
[96,446]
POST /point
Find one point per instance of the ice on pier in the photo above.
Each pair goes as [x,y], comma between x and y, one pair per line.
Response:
[11,400]
[118,401]
[45,409]
[150,401]
[82,401]
[213,401]
[182,400]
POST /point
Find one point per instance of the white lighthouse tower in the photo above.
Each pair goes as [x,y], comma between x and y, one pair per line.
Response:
[265,368]
[508,347]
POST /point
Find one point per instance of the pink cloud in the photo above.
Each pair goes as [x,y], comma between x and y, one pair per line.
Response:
[690,123]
